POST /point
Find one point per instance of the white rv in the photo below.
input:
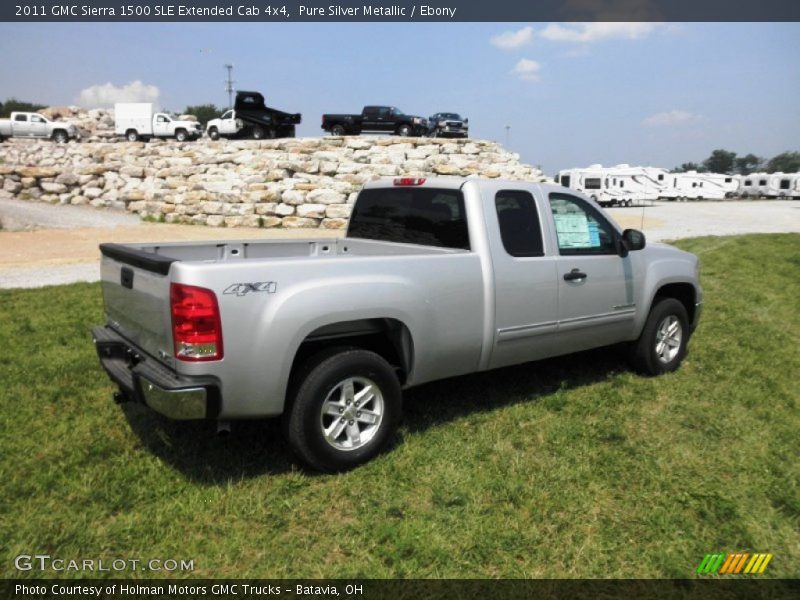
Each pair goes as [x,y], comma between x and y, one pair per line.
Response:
[692,185]
[783,185]
[620,185]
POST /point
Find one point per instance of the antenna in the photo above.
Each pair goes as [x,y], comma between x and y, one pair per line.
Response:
[508,136]
[229,85]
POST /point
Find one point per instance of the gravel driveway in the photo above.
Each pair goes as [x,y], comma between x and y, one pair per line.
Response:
[41,244]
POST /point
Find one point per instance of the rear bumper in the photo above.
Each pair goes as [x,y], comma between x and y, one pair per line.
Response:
[143,379]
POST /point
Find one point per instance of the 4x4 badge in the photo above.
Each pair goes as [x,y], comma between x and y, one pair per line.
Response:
[240,289]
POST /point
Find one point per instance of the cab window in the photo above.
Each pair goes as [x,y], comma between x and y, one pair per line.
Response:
[580,228]
[519,223]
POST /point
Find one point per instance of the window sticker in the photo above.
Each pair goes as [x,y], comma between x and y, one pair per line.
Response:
[574,231]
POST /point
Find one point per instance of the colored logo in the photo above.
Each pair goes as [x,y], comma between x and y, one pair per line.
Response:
[739,563]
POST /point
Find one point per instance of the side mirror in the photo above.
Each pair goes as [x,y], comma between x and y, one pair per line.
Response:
[633,239]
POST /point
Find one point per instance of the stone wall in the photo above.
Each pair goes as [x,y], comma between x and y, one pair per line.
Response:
[298,182]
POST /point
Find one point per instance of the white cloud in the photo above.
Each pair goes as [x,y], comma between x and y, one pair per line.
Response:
[593,32]
[527,69]
[106,94]
[509,40]
[671,117]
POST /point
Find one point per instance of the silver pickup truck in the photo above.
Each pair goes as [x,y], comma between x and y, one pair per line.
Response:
[34,125]
[435,278]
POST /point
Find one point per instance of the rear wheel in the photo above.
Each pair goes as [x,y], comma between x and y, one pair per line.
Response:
[213,133]
[132,136]
[345,410]
[259,133]
[662,344]
[337,130]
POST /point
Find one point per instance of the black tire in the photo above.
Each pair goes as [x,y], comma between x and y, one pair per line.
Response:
[131,135]
[649,355]
[213,133]
[181,135]
[259,133]
[316,386]
[404,130]
[338,130]
[60,137]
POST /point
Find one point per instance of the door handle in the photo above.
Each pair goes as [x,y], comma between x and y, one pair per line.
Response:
[574,275]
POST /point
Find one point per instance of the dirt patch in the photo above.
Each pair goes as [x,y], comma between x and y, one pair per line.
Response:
[43,247]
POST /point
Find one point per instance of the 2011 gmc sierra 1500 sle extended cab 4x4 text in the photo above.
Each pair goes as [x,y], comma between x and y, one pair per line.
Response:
[434,279]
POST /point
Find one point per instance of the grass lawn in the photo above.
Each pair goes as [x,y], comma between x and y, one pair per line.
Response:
[574,467]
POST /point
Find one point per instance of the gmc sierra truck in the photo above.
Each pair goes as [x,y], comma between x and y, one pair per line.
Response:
[376,119]
[34,125]
[435,278]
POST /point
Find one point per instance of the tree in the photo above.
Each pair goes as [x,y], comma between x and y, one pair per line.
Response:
[14,105]
[786,162]
[747,164]
[720,161]
[203,112]
[689,166]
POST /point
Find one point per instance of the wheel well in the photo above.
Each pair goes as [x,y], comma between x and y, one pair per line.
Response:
[57,131]
[683,293]
[389,338]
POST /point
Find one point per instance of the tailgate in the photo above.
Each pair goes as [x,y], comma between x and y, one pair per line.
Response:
[136,296]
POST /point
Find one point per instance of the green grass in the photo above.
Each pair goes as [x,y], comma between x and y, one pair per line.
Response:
[573,467]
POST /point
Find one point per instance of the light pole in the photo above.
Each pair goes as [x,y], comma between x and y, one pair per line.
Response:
[508,135]
[229,85]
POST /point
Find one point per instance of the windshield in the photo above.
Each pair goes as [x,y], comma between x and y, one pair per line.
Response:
[454,116]
[396,111]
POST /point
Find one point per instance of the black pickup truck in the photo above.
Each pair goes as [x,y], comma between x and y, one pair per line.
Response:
[250,117]
[375,119]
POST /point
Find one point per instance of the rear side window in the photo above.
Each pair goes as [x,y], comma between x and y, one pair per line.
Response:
[411,215]
[519,223]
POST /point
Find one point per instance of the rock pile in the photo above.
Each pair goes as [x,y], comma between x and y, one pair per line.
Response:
[300,182]
[96,124]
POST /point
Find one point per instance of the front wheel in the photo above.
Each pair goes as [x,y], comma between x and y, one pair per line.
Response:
[181,135]
[404,130]
[346,408]
[213,133]
[60,137]
[662,344]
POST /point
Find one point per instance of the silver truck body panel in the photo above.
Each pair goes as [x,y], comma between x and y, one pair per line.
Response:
[461,310]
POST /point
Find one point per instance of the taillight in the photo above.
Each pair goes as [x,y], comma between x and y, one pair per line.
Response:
[196,327]
[409,181]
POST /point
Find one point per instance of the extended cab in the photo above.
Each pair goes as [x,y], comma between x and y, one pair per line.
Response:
[250,117]
[375,119]
[139,121]
[34,125]
[434,279]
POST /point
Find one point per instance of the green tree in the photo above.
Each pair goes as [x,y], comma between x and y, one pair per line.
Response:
[748,163]
[786,162]
[203,112]
[689,166]
[14,105]
[720,161]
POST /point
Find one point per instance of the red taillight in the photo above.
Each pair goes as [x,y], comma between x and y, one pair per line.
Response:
[196,327]
[409,181]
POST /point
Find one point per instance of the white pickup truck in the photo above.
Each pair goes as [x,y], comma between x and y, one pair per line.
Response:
[138,121]
[435,279]
[34,125]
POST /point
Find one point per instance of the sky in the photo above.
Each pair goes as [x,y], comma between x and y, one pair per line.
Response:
[571,94]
